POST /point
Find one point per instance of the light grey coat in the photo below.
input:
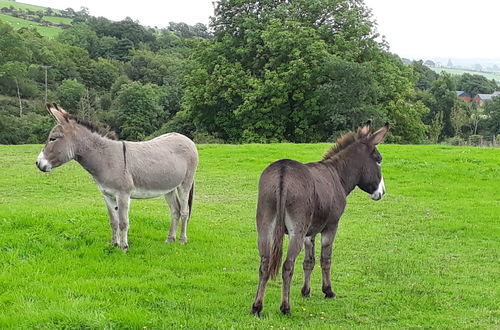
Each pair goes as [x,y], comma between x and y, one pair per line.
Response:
[163,166]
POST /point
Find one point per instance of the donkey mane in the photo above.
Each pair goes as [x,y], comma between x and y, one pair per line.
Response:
[342,142]
[102,130]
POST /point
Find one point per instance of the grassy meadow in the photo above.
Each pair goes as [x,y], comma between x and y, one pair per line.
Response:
[427,255]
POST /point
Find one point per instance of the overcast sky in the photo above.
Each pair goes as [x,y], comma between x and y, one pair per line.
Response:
[413,28]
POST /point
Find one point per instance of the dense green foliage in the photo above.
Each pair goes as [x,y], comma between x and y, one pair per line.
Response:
[294,71]
[265,71]
[88,70]
[426,255]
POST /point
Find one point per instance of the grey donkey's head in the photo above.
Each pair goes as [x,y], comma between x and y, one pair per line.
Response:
[67,138]
[60,145]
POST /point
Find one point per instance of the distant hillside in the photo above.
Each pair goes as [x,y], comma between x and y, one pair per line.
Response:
[490,76]
[47,21]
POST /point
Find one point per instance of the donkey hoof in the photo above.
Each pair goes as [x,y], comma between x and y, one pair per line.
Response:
[306,292]
[170,239]
[115,244]
[330,294]
[285,310]
[125,248]
[256,309]
[183,240]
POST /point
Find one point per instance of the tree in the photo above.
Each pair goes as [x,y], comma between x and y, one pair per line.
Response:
[139,111]
[15,71]
[105,72]
[436,127]
[349,95]
[476,115]
[292,71]
[459,117]
[476,84]
[12,46]
[425,75]
[186,31]
[69,93]
[443,99]
[406,121]
[492,110]
[126,29]
[121,50]
[167,40]
[81,35]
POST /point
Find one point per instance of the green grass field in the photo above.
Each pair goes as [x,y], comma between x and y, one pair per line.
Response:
[461,72]
[427,255]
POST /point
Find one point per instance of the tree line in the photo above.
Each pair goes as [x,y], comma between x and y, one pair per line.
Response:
[263,71]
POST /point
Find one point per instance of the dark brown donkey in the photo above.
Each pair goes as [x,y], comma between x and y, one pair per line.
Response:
[302,200]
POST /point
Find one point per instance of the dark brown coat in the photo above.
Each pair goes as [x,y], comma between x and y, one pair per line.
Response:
[302,200]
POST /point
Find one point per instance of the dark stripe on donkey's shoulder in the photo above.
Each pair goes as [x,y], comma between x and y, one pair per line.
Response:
[124,155]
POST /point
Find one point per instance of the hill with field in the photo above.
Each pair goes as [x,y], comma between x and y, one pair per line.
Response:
[47,21]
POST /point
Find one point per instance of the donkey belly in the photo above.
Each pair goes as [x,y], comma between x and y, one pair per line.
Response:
[138,193]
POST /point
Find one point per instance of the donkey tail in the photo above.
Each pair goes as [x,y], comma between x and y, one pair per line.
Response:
[190,199]
[279,229]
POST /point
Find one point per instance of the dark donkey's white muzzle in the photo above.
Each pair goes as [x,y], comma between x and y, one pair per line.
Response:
[377,194]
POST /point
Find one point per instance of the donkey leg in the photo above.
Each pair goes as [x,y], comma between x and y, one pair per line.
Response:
[309,261]
[184,204]
[264,250]
[123,207]
[113,219]
[173,204]
[327,238]
[294,247]
[258,303]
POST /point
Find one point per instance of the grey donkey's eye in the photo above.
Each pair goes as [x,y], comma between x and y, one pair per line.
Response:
[52,139]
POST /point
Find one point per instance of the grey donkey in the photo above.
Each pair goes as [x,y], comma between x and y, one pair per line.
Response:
[164,166]
[303,200]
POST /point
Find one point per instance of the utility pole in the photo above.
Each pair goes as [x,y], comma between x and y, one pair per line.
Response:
[46,67]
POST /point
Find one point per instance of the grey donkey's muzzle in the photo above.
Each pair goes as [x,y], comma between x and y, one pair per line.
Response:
[42,163]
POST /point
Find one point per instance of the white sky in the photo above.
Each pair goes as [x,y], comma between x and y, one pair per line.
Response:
[413,28]
[439,28]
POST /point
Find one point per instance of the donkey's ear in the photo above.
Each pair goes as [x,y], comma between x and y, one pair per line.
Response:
[365,130]
[379,135]
[62,117]
[64,112]
[49,109]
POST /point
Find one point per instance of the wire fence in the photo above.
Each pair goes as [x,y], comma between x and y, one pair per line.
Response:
[490,141]
[483,141]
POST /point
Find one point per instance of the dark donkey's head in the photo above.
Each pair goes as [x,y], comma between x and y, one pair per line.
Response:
[362,146]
